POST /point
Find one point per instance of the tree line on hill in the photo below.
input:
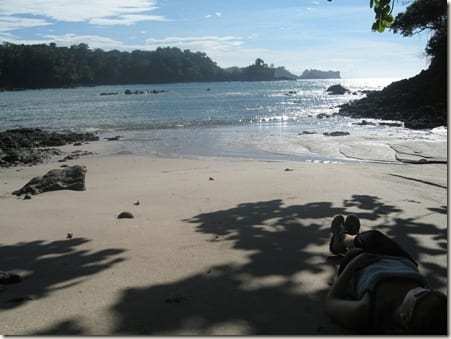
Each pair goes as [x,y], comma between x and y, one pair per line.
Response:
[49,66]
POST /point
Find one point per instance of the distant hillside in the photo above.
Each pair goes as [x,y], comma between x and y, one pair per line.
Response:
[317,74]
[49,66]
[282,74]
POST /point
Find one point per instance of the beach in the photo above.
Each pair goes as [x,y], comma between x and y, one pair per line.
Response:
[217,246]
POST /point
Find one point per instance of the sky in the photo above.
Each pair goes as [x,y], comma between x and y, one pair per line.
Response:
[297,34]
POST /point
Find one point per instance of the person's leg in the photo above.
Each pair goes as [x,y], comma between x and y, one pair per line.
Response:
[374,241]
[351,253]
[345,235]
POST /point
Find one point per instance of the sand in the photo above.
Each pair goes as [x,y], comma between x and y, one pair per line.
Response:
[216,246]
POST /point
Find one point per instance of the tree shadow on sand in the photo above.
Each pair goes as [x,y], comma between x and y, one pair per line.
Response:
[49,266]
[279,289]
[270,293]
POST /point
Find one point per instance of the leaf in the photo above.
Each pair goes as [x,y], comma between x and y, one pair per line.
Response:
[374,27]
[386,23]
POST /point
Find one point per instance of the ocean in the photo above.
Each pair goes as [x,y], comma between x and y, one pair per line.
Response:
[255,120]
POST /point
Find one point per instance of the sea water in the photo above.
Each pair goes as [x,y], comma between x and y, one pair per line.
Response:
[259,120]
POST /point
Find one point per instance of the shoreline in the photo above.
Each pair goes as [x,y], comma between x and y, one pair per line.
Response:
[216,246]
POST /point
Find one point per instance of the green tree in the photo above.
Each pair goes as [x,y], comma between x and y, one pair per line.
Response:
[429,15]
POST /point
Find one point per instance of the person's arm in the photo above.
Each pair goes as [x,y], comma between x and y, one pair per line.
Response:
[353,314]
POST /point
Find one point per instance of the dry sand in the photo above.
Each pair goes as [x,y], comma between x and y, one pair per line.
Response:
[245,253]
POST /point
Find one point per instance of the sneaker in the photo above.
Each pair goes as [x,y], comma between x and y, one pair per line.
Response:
[336,245]
[352,224]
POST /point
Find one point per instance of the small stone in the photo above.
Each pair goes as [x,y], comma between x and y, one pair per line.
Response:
[125,215]
[69,235]
[27,197]
[211,178]
[136,203]
[289,169]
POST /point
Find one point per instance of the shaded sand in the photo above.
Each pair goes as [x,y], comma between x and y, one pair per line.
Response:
[245,253]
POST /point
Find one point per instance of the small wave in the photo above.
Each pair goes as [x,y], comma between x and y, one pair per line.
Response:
[442,131]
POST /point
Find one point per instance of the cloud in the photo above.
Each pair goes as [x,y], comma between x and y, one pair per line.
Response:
[128,19]
[94,41]
[99,12]
[218,14]
[8,23]
[208,44]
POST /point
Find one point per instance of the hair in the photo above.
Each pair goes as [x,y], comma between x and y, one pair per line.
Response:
[430,315]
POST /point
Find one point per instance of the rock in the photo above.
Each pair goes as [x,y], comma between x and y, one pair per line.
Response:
[336,134]
[25,146]
[69,235]
[127,92]
[390,124]
[318,74]
[364,123]
[211,178]
[289,170]
[125,215]
[323,115]
[337,90]
[421,123]
[290,93]
[420,102]
[75,155]
[306,133]
[136,203]
[70,178]
[113,138]
[27,197]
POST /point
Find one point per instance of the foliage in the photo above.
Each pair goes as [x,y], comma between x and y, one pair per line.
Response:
[383,17]
[383,14]
[44,66]
[426,15]
[421,101]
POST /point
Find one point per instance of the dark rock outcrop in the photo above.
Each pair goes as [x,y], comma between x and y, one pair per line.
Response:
[336,134]
[70,178]
[420,102]
[317,74]
[28,146]
[35,137]
[337,90]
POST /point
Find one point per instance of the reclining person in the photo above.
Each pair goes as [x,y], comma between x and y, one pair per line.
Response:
[378,289]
